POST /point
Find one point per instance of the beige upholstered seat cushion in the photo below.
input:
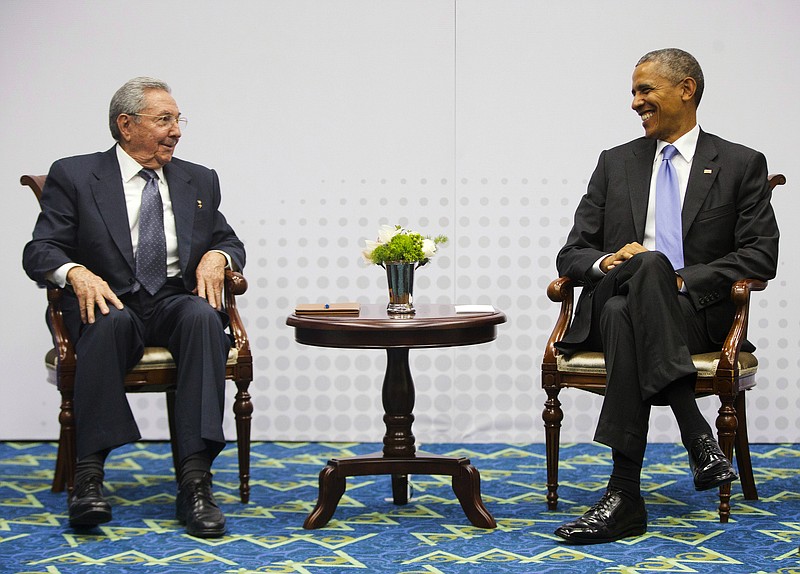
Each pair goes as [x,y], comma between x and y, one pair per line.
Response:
[154,358]
[706,363]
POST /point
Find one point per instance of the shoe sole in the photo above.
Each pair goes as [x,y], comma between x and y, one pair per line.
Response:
[715,484]
[635,530]
[90,519]
[207,533]
[215,533]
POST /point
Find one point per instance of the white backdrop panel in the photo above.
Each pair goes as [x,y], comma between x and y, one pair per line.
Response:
[326,118]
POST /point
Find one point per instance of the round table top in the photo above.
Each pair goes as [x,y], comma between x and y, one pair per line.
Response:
[433,325]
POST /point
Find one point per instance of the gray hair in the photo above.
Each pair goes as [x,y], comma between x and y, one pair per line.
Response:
[129,99]
[677,65]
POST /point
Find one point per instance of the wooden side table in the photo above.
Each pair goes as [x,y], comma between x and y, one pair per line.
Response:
[431,326]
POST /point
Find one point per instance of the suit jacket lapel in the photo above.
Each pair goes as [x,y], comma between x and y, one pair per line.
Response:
[701,177]
[110,199]
[184,205]
[639,170]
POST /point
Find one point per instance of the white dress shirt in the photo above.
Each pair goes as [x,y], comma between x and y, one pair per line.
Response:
[682,162]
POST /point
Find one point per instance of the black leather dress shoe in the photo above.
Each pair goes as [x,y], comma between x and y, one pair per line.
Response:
[87,507]
[196,508]
[612,518]
[710,467]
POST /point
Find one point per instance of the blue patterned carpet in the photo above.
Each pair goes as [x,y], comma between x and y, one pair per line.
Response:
[369,534]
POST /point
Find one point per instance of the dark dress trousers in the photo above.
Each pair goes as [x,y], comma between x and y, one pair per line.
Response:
[84,220]
[635,314]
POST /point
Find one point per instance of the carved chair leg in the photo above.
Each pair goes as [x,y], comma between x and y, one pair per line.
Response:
[726,432]
[59,475]
[64,476]
[552,416]
[243,411]
[742,446]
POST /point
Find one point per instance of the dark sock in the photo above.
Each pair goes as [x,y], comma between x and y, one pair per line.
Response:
[195,466]
[681,399]
[91,466]
[626,476]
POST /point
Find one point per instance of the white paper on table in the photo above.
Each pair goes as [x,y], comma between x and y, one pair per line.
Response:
[474,309]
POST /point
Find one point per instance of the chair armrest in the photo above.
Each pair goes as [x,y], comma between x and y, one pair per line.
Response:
[559,291]
[61,340]
[740,295]
[236,284]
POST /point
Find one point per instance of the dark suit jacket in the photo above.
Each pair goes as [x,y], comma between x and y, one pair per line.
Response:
[729,228]
[84,220]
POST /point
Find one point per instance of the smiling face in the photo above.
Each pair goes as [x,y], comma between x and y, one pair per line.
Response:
[149,143]
[667,109]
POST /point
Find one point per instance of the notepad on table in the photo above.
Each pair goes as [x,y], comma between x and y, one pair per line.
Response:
[349,308]
[474,309]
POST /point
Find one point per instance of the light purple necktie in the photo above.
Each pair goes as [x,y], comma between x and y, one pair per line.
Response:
[151,253]
[669,235]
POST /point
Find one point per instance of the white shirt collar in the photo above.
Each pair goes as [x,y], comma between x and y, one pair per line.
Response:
[129,167]
[686,144]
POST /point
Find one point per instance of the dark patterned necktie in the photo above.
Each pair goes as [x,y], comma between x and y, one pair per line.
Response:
[669,229]
[151,254]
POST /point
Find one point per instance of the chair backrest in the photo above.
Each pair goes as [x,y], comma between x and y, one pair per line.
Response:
[35,182]
[775,179]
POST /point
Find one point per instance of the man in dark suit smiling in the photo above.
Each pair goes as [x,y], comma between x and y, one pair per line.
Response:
[669,222]
[138,238]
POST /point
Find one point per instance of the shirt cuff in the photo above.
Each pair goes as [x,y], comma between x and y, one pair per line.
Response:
[227,258]
[59,275]
[596,272]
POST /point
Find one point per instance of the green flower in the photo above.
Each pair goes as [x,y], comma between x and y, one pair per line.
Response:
[396,244]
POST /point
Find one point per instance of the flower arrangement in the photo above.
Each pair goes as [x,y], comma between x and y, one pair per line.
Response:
[397,244]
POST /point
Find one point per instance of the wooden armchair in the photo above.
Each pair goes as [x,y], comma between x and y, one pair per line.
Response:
[727,374]
[154,373]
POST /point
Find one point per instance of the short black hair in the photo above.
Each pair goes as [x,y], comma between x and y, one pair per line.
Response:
[677,64]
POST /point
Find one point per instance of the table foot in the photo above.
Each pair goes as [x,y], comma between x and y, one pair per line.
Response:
[467,487]
[465,478]
[331,489]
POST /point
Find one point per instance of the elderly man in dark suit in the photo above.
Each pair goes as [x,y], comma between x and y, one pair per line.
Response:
[667,225]
[139,240]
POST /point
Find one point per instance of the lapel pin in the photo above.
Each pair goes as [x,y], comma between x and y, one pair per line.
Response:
[704,171]
[199,204]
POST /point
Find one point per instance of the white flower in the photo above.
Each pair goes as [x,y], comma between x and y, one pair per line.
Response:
[386,232]
[369,248]
[428,248]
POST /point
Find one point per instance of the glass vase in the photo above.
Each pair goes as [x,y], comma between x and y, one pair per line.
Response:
[400,276]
